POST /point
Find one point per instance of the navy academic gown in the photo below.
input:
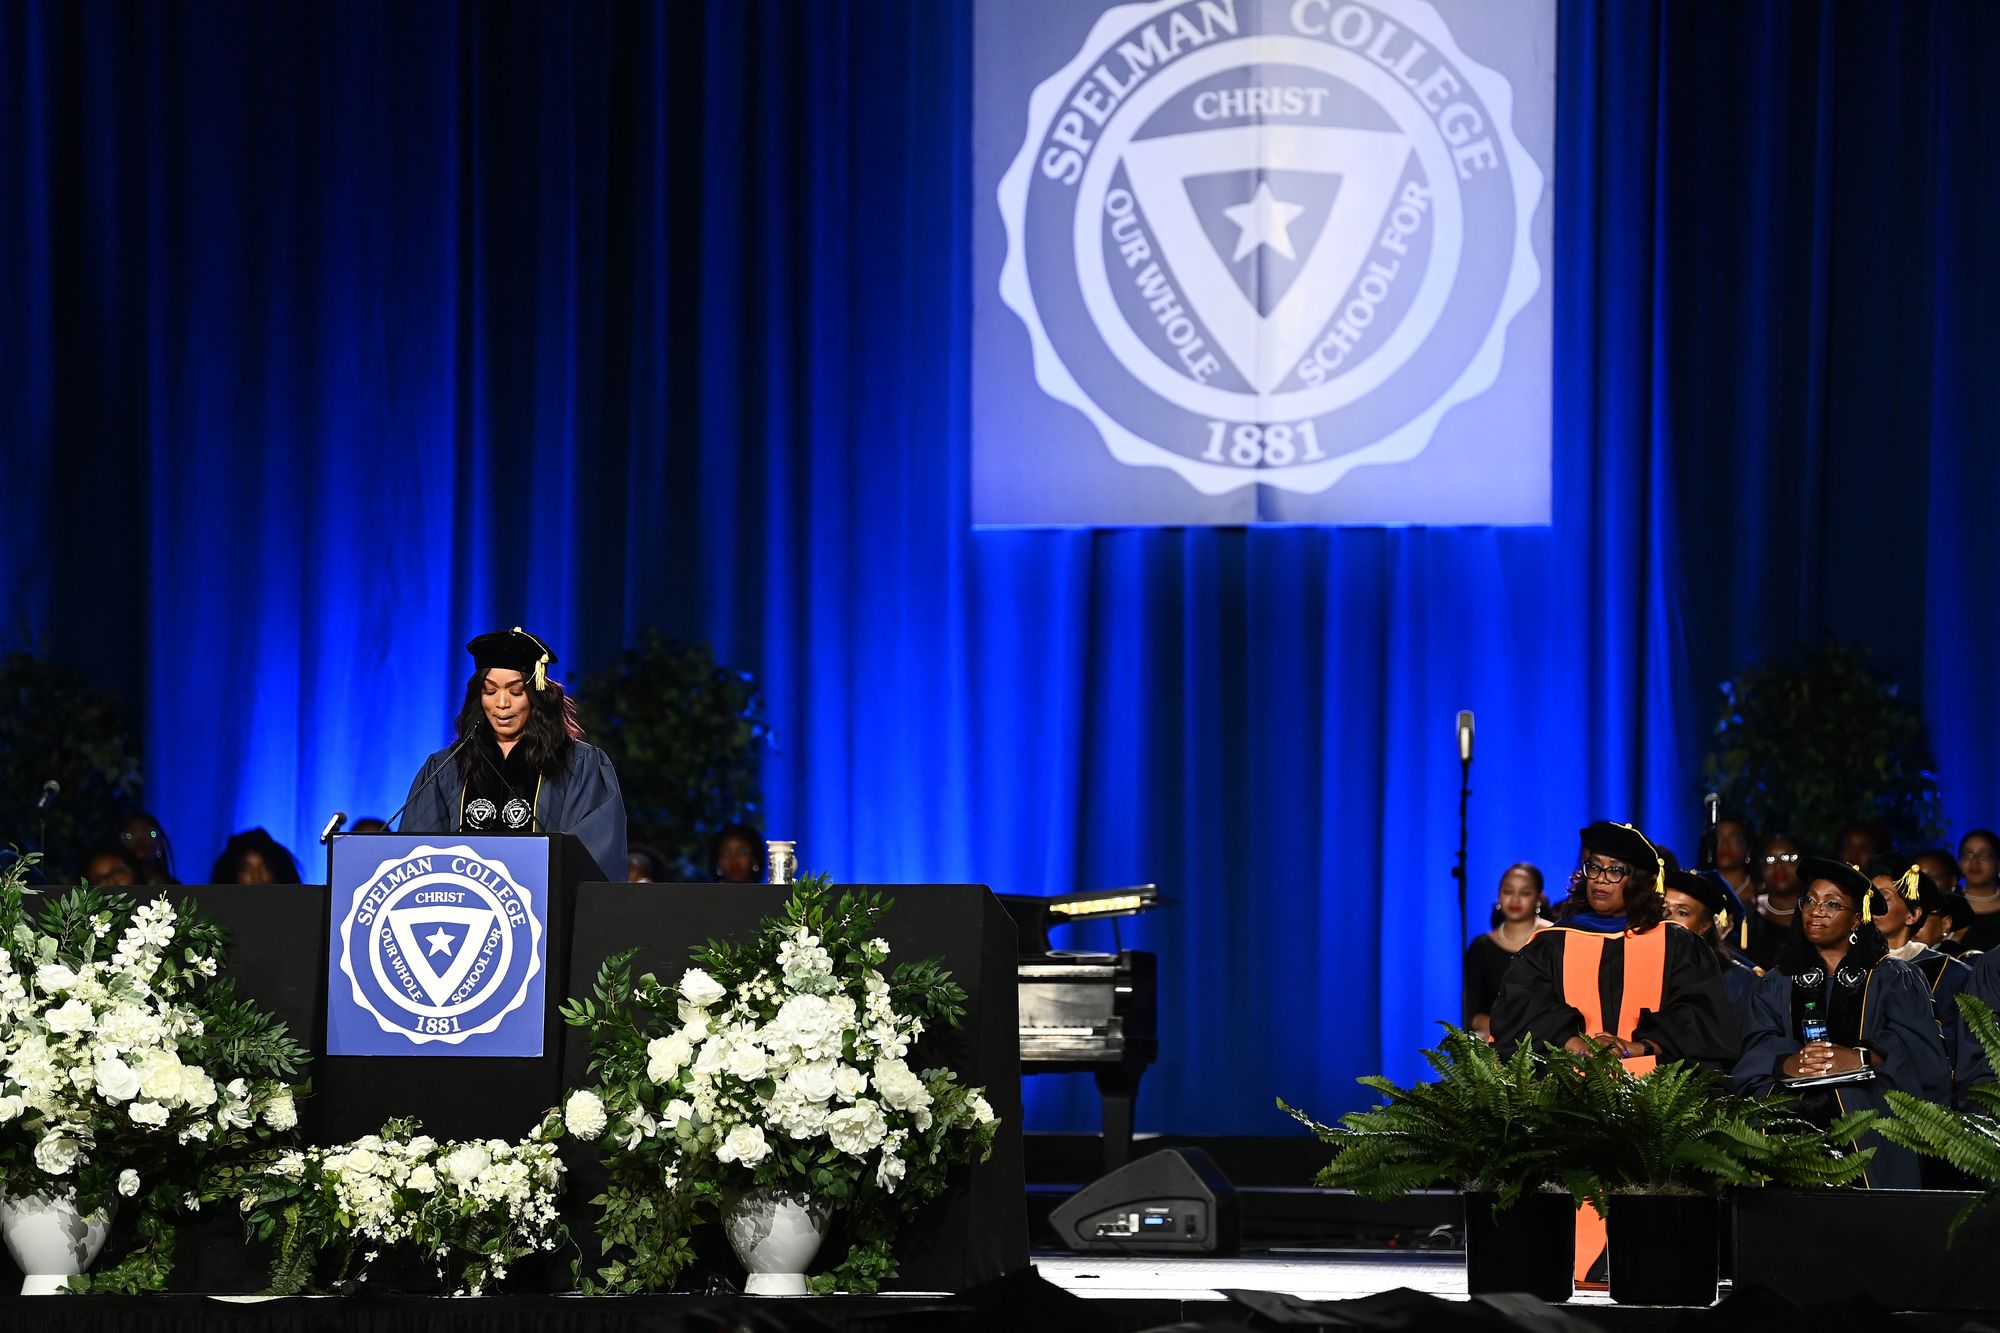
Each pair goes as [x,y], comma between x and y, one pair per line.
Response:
[1739,981]
[1896,1019]
[1693,1021]
[584,800]
[1984,985]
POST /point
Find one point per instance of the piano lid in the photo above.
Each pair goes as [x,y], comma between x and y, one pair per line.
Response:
[1034,915]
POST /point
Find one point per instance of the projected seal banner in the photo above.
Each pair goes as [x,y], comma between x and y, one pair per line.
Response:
[1269,249]
[438,949]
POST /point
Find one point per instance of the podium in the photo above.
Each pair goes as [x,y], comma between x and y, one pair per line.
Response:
[441,996]
[970,1234]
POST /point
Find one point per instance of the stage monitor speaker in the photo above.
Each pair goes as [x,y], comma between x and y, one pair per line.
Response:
[1174,1201]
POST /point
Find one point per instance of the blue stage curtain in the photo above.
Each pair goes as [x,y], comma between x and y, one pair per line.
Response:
[332,334]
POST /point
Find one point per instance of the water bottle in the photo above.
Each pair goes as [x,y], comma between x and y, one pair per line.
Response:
[1813,1026]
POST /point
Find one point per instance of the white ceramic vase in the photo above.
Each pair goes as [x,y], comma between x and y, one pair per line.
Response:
[775,1233]
[51,1239]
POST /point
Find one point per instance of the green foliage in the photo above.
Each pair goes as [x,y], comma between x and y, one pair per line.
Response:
[685,736]
[55,724]
[1812,742]
[1677,1130]
[1481,1126]
[1534,1121]
[1969,1141]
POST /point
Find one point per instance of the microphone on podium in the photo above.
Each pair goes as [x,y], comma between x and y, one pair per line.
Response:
[1465,736]
[333,826]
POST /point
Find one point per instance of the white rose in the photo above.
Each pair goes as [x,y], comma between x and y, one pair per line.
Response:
[700,989]
[694,1022]
[711,1056]
[56,1154]
[667,1056]
[281,1112]
[424,1180]
[74,1016]
[197,1088]
[813,1082]
[747,1062]
[11,1107]
[584,1114]
[116,1080]
[676,1113]
[128,1182]
[465,1164]
[899,1087]
[745,1144]
[148,1113]
[290,1165]
[982,1111]
[53,978]
[849,1082]
[163,1077]
[857,1130]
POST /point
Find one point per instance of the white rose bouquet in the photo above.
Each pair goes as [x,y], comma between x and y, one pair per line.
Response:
[471,1210]
[127,1070]
[783,1061]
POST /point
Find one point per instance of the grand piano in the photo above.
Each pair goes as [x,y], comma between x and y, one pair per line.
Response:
[1089,1012]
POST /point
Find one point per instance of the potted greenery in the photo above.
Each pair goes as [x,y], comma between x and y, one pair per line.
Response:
[1482,1126]
[1653,1154]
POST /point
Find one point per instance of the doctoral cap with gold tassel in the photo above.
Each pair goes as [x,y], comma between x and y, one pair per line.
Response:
[1848,879]
[513,650]
[1913,885]
[1622,842]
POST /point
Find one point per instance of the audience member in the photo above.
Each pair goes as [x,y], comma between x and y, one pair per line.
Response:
[254,857]
[1912,897]
[1979,863]
[644,864]
[1777,903]
[368,824]
[1860,839]
[146,840]
[1836,1001]
[111,866]
[736,856]
[1518,914]
[1703,904]
[1727,848]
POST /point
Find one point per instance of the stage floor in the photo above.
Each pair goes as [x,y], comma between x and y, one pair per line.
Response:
[1314,1275]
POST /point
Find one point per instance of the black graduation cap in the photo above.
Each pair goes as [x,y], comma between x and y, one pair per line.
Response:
[1622,842]
[1960,909]
[1718,898]
[1841,875]
[513,650]
[1913,883]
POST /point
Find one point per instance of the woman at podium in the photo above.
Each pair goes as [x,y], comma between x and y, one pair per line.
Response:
[521,763]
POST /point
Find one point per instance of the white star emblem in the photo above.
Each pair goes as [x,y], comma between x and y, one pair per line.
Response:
[1264,221]
[439,941]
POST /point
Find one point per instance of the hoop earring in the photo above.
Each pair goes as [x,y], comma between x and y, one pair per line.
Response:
[1855,938]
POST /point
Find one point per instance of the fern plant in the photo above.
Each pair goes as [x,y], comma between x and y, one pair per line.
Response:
[1483,1126]
[1678,1131]
[1969,1141]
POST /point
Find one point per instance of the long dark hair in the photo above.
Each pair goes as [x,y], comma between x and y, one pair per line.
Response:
[1797,953]
[551,735]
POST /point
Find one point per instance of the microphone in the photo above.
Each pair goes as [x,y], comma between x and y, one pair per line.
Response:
[50,790]
[1714,800]
[1465,736]
[332,826]
[443,764]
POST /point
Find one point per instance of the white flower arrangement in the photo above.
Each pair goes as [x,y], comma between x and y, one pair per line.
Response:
[470,1210]
[125,1069]
[786,1063]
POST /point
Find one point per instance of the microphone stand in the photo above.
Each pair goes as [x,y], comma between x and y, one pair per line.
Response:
[1458,871]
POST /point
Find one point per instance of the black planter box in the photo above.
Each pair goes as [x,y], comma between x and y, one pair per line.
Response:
[1665,1249]
[1530,1247]
[1775,1248]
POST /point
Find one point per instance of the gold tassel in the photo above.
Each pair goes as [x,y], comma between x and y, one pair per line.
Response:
[541,663]
[1907,885]
[1659,862]
[1743,932]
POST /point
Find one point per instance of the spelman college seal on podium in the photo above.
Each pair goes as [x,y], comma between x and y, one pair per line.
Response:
[441,948]
[1269,241]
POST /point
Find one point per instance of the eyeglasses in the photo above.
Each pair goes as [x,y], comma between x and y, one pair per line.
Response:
[1607,872]
[1824,906]
[1783,860]
[129,836]
[1965,857]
